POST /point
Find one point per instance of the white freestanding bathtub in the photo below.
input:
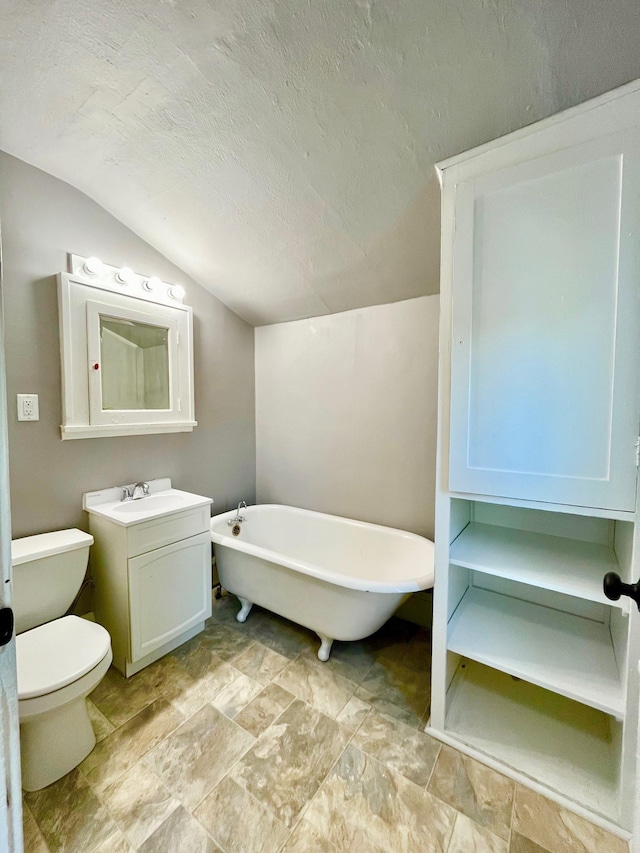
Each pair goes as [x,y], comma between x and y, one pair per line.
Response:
[341,578]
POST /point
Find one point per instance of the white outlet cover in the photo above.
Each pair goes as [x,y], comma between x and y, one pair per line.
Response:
[28,409]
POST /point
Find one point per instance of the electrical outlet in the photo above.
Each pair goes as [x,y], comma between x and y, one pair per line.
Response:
[28,407]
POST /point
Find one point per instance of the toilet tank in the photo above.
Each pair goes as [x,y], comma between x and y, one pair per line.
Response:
[48,570]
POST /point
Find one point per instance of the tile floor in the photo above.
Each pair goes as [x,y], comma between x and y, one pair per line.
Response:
[241,741]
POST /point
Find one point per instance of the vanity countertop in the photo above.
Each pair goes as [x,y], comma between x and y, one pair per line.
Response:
[161,501]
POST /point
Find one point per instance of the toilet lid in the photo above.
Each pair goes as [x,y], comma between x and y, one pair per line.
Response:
[53,655]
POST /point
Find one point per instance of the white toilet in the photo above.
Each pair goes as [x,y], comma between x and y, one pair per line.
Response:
[61,661]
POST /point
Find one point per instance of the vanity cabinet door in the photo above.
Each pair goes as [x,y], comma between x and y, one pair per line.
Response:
[169,592]
[545,311]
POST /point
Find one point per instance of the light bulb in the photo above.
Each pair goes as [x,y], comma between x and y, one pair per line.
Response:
[92,266]
[152,283]
[124,275]
[176,291]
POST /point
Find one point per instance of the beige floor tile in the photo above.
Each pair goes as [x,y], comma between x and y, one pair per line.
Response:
[139,802]
[165,678]
[208,675]
[125,746]
[180,833]
[559,830]
[350,660]
[364,807]
[237,695]
[226,642]
[302,772]
[474,789]
[116,843]
[33,839]
[101,726]
[249,826]
[193,759]
[401,712]
[184,650]
[260,663]
[310,680]
[290,759]
[353,714]
[264,709]
[398,746]
[520,844]
[278,634]
[469,837]
[196,659]
[305,839]
[404,686]
[70,816]
[204,690]
[223,611]
[119,698]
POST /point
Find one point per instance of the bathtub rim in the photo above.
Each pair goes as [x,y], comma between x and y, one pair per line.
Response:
[415,584]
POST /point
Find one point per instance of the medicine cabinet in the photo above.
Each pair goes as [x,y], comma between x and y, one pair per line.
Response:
[127,354]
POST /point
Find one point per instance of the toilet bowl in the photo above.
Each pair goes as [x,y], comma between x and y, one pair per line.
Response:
[59,662]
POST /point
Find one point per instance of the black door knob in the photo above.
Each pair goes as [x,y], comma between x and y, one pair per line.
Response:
[6,625]
[614,588]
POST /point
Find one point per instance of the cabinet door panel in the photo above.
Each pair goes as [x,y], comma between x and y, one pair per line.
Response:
[169,592]
[544,401]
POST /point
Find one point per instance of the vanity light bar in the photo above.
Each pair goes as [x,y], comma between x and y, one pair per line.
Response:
[124,280]
[124,275]
[93,266]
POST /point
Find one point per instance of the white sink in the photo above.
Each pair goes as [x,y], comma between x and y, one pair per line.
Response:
[166,502]
[155,505]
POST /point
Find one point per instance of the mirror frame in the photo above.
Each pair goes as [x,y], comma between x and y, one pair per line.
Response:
[81,417]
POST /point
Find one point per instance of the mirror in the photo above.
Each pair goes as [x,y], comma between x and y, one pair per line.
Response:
[134,364]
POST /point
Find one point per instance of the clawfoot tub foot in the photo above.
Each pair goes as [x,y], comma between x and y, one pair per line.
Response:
[325,647]
[244,610]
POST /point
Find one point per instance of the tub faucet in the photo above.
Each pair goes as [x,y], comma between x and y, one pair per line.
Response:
[238,518]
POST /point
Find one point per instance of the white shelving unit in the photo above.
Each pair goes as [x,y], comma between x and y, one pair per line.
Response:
[553,562]
[568,654]
[536,735]
[535,671]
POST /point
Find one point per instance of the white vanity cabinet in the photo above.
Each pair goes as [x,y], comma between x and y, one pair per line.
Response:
[152,578]
[535,671]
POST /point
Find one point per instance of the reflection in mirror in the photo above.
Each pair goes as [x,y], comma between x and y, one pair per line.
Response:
[134,365]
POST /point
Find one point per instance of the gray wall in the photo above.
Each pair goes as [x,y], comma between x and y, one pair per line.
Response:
[346,413]
[43,219]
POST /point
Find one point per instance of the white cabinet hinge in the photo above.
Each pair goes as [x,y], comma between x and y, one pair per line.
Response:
[179,405]
[638,452]
[177,339]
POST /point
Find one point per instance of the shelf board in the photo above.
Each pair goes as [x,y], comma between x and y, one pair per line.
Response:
[561,652]
[553,740]
[570,566]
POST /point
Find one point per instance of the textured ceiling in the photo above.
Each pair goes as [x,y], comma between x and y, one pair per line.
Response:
[281,151]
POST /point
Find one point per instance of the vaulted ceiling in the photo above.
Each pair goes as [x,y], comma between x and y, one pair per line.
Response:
[281,151]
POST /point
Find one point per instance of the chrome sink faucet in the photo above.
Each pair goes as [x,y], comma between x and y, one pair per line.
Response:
[140,490]
[135,491]
[238,518]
